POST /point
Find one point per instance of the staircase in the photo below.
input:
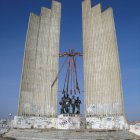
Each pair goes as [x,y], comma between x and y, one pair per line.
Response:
[34,134]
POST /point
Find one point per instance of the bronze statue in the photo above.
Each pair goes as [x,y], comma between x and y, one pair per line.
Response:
[73,104]
[78,102]
[67,104]
[62,103]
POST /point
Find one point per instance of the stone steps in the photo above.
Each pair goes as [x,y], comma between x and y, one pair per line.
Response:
[24,134]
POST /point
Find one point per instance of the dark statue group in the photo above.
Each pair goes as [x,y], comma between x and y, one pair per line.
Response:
[68,104]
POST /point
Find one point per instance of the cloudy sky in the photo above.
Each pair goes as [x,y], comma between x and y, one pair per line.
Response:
[14,16]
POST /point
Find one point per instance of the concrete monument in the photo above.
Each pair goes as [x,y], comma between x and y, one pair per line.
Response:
[37,97]
[102,81]
[103,97]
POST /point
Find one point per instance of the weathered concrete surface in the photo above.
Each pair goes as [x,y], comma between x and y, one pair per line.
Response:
[51,134]
[34,122]
[54,54]
[28,71]
[69,122]
[41,90]
[107,123]
[31,134]
[62,122]
[102,80]
[37,97]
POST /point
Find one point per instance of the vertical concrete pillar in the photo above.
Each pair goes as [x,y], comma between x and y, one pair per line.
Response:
[86,15]
[41,76]
[54,53]
[28,71]
[102,82]
[37,97]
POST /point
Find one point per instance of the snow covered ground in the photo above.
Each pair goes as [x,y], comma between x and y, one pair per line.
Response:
[135,128]
[4,126]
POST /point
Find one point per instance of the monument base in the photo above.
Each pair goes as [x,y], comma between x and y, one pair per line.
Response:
[64,121]
[34,122]
[70,121]
[107,123]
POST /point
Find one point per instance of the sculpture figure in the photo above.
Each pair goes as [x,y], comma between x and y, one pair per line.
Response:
[78,102]
[73,104]
[62,103]
[67,104]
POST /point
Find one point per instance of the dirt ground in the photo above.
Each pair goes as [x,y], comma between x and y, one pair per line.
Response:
[1,138]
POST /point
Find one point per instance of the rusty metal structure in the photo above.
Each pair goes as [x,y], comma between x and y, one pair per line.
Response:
[71,81]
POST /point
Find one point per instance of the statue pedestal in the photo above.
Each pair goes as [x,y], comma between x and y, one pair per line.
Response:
[69,121]
[34,122]
[107,123]
[64,121]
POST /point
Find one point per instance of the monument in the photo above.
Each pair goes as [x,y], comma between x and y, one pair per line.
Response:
[37,97]
[102,81]
[103,97]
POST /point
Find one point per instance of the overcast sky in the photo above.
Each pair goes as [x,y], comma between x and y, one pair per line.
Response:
[14,16]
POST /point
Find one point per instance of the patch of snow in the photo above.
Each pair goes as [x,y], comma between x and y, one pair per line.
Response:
[135,129]
[4,126]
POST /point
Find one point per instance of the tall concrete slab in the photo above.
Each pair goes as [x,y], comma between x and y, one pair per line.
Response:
[114,83]
[28,72]
[54,54]
[102,82]
[86,16]
[41,91]
[37,97]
